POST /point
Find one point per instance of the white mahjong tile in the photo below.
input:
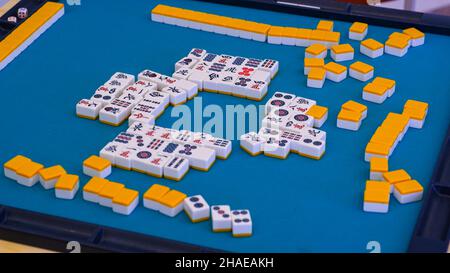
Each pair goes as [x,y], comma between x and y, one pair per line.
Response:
[115,112]
[225,83]
[108,90]
[241,85]
[156,145]
[177,95]
[151,76]
[220,145]
[252,143]
[314,133]
[282,113]
[160,133]
[274,122]
[245,71]
[141,117]
[279,99]
[198,78]
[297,122]
[211,81]
[156,107]
[197,53]
[190,87]
[301,104]
[111,151]
[210,58]
[256,89]
[132,98]
[183,136]
[295,139]
[200,138]
[125,78]
[270,66]
[102,99]
[232,69]
[116,85]
[216,67]
[199,157]
[239,61]
[277,147]
[186,62]
[150,162]
[145,84]
[242,224]
[123,158]
[147,108]
[138,128]
[164,98]
[312,147]
[128,139]
[182,73]
[201,67]
[170,148]
[88,108]
[176,167]
[225,59]
[251,62]
[196,208]
[260,75]
[221,218]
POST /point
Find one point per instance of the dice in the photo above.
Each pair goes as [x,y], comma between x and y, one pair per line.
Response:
[12,19]
[241,223]
[22,13]
[196,208]
[221,218]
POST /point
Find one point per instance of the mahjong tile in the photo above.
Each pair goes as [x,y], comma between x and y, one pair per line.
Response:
[297,122]
[210,57]
[274,122]
[216,67]
[277,147]
[150,162]
[137,91]
[127,139]
[183,136]
[160,133]
[147,108]
[142,118]
[108,90]
[186,62]
[260,75]
[190,87]
[88,108]
[164,98]
[256,89]
[245,71]
[295,139]
[225,59]
[239,61]
[111,150]
[269,133]
[241,86]
[176,167]
[115,112]
[151,76]
[197,53]
[315,134]
[301,104]
[225,83]
[155,106]
[138,128]
[125,78]
[177,95]
[221,218]
[201,67]
[102,98]
[312,147]
[253,63]
[123,158]
[270,66]
[132,98]
[182,73]
[252,143]
[220,145]
[199,157]
[156,145]
[196,208]
[116,85]
[279,99]
[242,225]
[145,84]
[200,138]
[232,69]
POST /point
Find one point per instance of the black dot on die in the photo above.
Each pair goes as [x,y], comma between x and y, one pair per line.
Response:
[235,212]
[198,205]
[245,220]
[216,208]
[237,220]
[307,140]
[226,215]
[317,143]
[193,199]
[244,212]
[278,95]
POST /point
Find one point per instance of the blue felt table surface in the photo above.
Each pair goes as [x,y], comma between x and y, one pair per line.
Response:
[297,205]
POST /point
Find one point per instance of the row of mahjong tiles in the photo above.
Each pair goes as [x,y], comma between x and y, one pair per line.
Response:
[323,34]
[123,200]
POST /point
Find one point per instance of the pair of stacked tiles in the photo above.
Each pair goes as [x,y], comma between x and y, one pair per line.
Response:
[379,90]
[351,115]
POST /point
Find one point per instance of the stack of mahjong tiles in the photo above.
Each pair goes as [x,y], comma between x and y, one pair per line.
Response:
[225,74]
[351,115]
[27,173]
[28,31]
[122,97]
[171,202]
[378,90]
[111,194]
[384,182]
[210,22]
[398,43]
[394,127]
[163,152]
[289,127]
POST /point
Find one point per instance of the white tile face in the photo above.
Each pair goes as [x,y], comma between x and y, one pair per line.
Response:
[297,122]
[252,143]
[197,53]
[242,224]
[149,162]
[221,217]
[111,151]
[182,73]
[88,108]
[199,157]
[301,105]
[279,99]
[186,62]
[270,66]
[176,167]
[221,146]
[189,87]
[176,94]
[197,208]
[124,157]
[102,98]
[116,112]
[125,78]
[141,117]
